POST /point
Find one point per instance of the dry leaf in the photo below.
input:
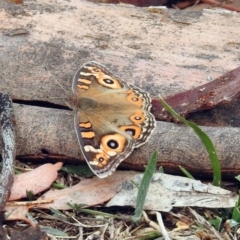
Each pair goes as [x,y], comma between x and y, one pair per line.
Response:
[167,191]
[36,180]
[89,191]
[17,213]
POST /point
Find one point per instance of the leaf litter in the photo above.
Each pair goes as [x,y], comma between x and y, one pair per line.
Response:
[165,194]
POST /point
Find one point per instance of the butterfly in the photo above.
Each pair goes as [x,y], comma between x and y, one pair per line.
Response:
[111,117]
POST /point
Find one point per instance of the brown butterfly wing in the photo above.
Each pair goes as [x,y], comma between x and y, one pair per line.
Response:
[112,117]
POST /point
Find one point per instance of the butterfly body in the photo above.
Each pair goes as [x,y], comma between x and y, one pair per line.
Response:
[111,117]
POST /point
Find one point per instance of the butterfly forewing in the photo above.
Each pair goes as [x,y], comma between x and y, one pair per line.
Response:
[111,117]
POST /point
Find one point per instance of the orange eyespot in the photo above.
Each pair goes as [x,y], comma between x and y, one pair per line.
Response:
[138,118]
[133,131]
[108,81]
[136,100]
[113,143]
[101,159]
[104,79]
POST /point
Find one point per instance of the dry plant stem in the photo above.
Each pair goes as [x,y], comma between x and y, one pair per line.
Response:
[29,203]
[8,148]
[206,224]
[162,227]
[150,222]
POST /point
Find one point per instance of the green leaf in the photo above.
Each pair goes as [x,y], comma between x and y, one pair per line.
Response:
[58,214]
[236,214]
[77,207]
[143,188]
[217,178]
[238,177]
[59,186]
[54,232]
[216,222]
[99,213]
[80,170]
[236,210]
[238,202]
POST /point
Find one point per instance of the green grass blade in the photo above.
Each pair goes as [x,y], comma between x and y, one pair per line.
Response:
[55,232]
[186,172]
[143,188]
[160,169]
[217,178]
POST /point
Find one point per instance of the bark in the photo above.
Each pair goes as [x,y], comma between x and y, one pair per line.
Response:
[48,135]
[8,148]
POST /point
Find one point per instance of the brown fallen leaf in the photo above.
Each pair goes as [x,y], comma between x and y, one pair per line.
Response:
[30,181]
[18,213]
[89,191]
[36,180]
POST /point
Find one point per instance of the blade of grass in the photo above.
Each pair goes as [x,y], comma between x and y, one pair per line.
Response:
[186,172]
[54,232]
[143,188]
[160,169]
[217,178]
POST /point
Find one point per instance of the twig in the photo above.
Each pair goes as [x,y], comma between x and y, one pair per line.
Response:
[205,223]
[223,5]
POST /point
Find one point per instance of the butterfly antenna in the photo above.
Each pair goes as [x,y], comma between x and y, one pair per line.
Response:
[61,86]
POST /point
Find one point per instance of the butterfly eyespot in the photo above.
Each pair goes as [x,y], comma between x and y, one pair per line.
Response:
[133,131]
[135,99]
[108,81]
[130,131]
[101,159]
[137,118]
[112,144]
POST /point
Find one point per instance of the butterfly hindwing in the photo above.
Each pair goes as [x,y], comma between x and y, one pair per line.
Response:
[111,117]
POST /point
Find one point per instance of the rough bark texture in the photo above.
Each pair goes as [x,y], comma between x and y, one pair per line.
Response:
[43,43]
[8,148]
[51,136]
